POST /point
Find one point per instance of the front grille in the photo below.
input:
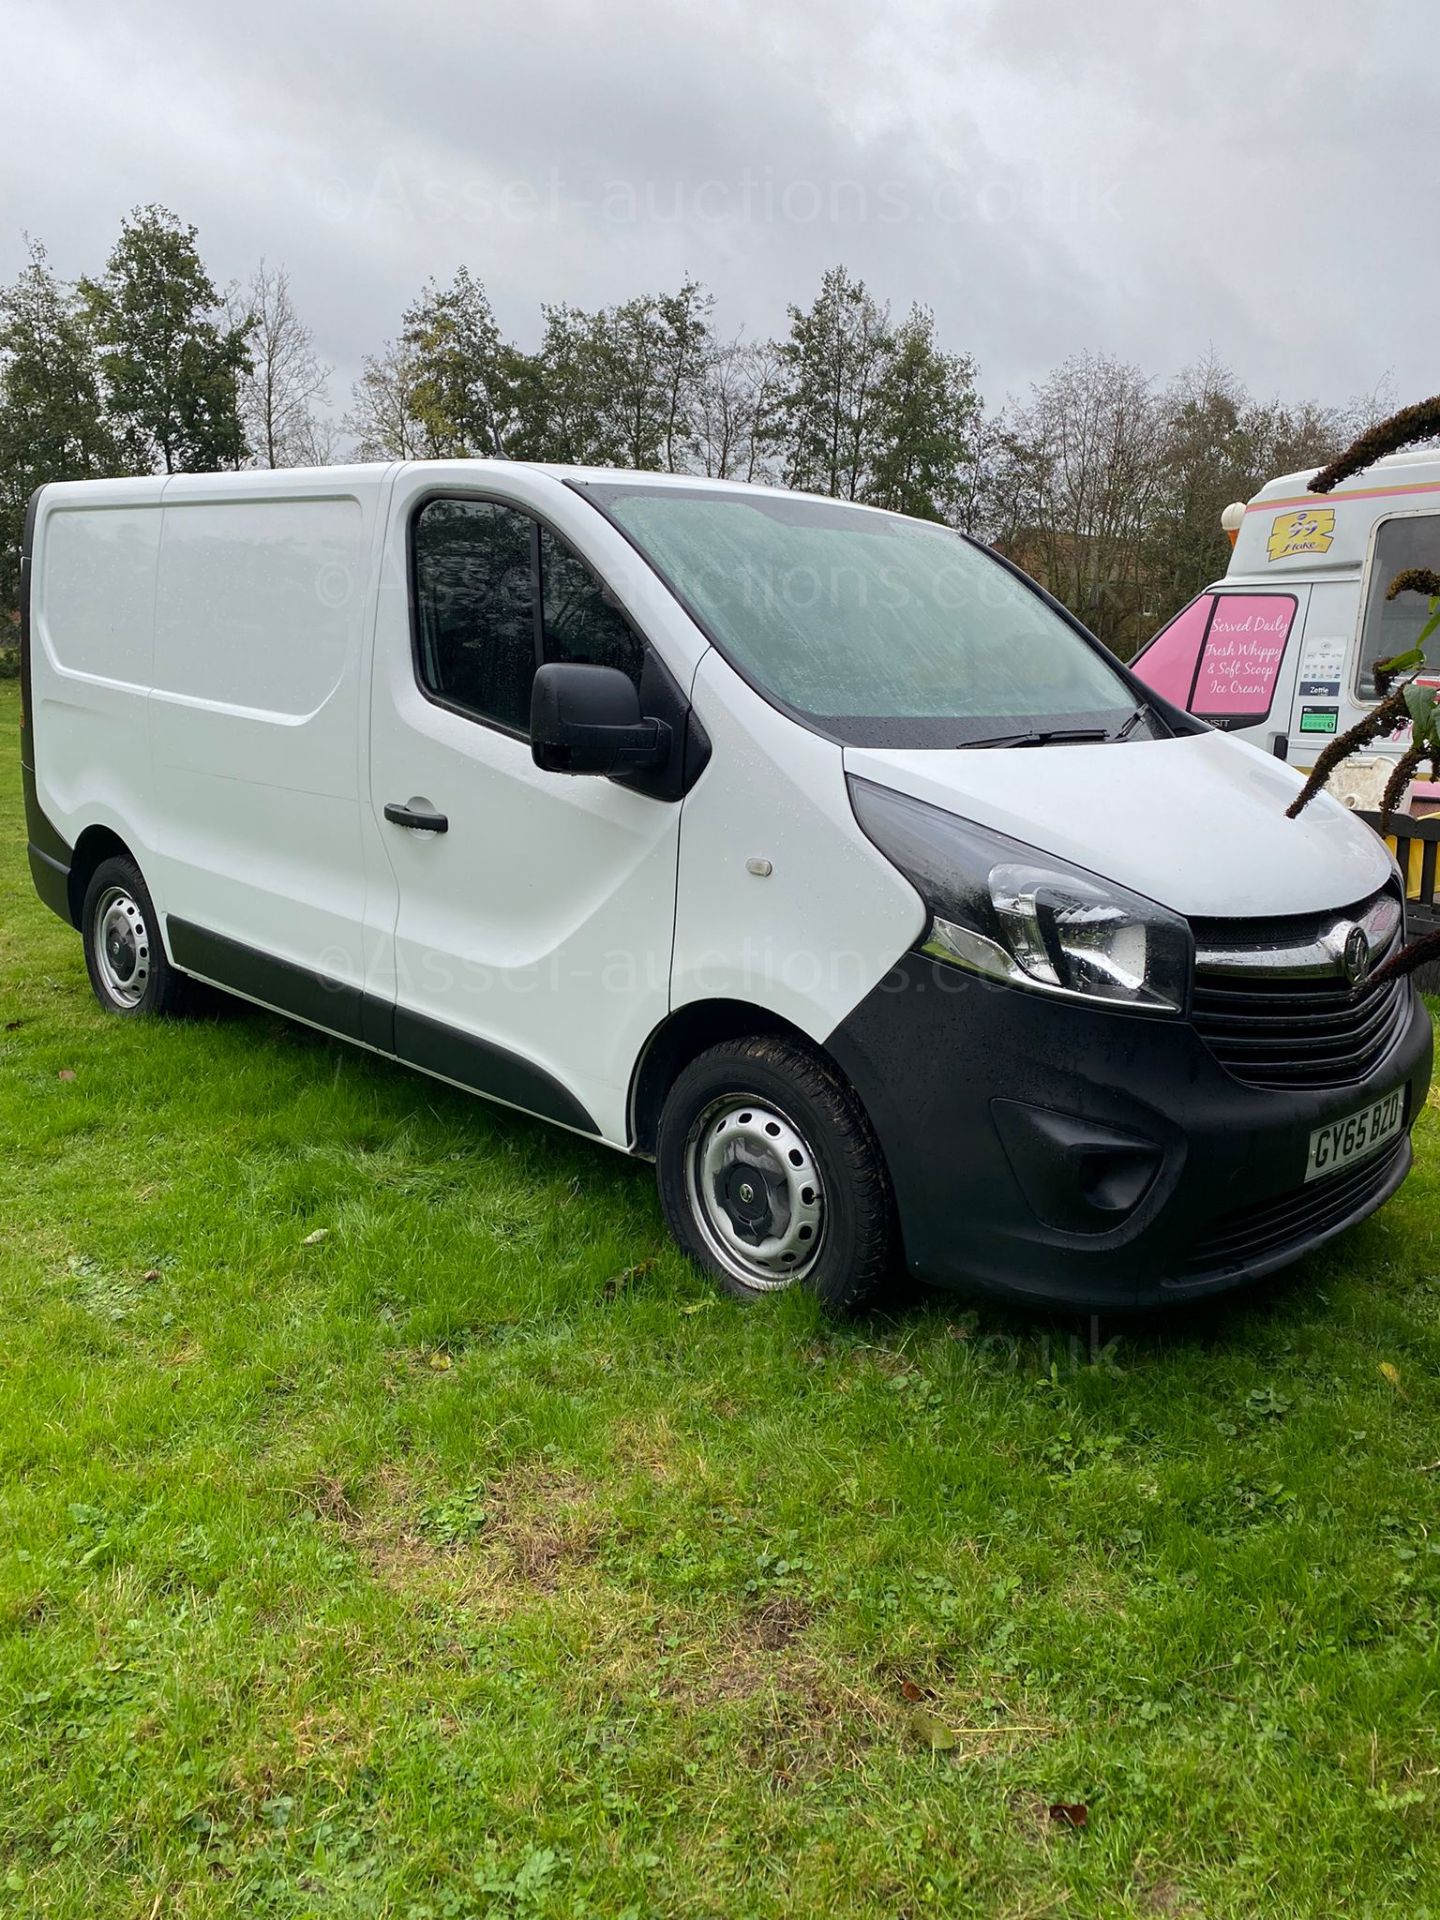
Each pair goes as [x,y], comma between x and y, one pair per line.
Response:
[1298,1033]
[1279,1013]
[1251,1234]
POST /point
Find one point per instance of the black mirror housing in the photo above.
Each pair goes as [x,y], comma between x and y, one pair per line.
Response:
[587,719]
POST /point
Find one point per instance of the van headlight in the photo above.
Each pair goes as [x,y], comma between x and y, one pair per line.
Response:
[1017,914]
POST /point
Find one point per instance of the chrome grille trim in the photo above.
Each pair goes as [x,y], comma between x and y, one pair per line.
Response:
[1274,1006]
[1316,953]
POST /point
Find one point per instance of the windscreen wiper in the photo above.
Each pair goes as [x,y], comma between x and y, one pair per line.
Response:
[1041,737]
[1123,733]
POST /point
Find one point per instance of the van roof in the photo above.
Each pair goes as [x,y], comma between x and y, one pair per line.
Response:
[155,486]
[1395,469]
[1287,531]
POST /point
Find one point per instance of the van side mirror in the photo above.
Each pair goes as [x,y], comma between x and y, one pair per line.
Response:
[587,719]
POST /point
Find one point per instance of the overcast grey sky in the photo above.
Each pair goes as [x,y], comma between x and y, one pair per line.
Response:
[1140,176]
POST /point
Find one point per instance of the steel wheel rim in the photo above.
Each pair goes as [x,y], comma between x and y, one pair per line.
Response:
[122,947]
[755,1192]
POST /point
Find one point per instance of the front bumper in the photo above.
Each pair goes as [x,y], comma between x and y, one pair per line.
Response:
[1047,1151]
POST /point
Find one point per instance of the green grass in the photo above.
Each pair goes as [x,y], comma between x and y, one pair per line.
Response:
[477,1559]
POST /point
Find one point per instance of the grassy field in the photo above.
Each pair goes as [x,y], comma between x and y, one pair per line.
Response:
[392,1523]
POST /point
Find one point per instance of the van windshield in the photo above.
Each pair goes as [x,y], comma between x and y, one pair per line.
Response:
[875,629]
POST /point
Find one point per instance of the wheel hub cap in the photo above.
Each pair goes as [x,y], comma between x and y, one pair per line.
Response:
[756,1192]
[122,947]
[120,951]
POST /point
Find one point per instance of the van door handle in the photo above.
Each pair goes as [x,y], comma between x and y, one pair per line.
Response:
[415,819]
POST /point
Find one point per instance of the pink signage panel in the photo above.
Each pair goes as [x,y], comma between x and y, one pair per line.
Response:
[1241,659]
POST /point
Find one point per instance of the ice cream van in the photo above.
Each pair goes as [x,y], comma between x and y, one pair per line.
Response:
[1282,651]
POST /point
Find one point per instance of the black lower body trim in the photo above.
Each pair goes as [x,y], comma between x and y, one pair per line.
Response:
[306,993]
[1257,1240]
[346,1011]
[486,1068]
[52,882]
[50,854]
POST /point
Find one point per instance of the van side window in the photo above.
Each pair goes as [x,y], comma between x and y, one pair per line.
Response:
[475,608]
[1393,626]
[579,622]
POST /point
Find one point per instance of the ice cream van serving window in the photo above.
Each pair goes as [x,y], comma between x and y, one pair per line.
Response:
[1221,657]
[1393,626]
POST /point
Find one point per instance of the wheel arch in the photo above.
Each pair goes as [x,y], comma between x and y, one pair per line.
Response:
[679,1038]
[95,845]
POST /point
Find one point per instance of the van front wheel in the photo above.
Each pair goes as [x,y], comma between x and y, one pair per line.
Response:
[771,1176]
[124,954]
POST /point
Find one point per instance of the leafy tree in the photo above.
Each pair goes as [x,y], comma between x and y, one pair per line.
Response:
[523,379]
[285,382]
[445,390]
[567,393]
[457,362]
[1206,457]
[170,361]
[632,390]
[618,386]
[832,361]
[650,359]
[925,412]
[52,418]
[685,343]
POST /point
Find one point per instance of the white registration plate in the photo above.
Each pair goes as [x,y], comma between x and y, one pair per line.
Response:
[1339,1142]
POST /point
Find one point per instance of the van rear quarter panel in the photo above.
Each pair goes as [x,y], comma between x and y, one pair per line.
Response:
[93,567]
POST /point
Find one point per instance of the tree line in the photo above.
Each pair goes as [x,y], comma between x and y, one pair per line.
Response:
[1103,483]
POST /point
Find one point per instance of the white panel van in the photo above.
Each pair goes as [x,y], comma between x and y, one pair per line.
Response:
[808,850]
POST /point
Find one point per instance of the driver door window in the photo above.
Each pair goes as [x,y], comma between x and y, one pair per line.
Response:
[580,621]
[495,594]
[475,626]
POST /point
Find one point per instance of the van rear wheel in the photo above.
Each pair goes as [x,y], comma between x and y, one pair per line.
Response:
[124,954]
[771,1176]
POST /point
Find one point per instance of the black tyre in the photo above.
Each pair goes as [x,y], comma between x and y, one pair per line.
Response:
[771,1176]
[124,954]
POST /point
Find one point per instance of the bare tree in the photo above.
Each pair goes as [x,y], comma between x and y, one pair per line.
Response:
[1089,445]
[282,395]
[317,441]
[735,410]
[1001,492]
[383,416]
[1217,444]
